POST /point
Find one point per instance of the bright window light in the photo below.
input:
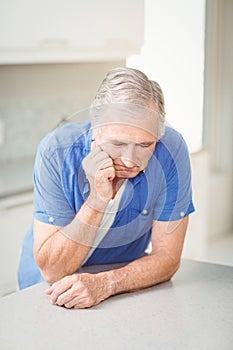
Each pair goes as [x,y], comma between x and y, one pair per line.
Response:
[173,55]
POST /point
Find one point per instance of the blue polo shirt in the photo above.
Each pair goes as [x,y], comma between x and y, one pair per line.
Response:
[161,192]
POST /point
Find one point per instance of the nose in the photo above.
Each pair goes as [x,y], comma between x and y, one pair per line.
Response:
[128,156]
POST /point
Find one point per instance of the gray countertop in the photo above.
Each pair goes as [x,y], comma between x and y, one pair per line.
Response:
[192,311]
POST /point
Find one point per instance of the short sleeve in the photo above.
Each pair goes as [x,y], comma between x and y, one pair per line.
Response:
[175,199]
[51,205]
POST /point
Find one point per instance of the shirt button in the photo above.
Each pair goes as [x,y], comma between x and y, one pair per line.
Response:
[144,212]
[51,219]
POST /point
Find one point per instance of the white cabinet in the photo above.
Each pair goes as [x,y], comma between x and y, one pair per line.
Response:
[37,31]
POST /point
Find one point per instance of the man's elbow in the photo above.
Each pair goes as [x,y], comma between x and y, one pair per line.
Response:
[49,277]
[45,267]
[173,268]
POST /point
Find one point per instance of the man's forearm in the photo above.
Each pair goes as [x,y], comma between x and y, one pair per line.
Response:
[160,265]
[142,273]
[86,290]
[67,247]
[83,228]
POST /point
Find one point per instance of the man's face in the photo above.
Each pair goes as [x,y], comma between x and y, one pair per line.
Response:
[130,147]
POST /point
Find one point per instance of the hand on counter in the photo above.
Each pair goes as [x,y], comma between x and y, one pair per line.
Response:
[80,290]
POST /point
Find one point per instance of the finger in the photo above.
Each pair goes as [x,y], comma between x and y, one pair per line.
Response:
[93,145]
[49,291]
[80,303]
[102,158]
[105,148]
[84,304]
[107,174]
[99,150]
[95,150]
[94,162]
[65,297]
[76,290]
[76,302]
[61,286]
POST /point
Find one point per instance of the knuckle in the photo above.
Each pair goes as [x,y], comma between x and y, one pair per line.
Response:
[59,301]
[75,289]
[76,277]
[91,300]
[86,305]
[55,295]
[68,305]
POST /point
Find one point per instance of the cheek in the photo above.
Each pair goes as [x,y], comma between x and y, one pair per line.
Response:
[144,163]
[145,155]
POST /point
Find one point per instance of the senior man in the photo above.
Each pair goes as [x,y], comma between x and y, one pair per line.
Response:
[104,190]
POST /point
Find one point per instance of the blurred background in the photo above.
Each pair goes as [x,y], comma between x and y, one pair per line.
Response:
[53,56]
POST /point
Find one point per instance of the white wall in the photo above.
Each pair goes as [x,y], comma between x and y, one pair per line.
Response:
[173,55]
[218,114]
[189,51]
[212,167]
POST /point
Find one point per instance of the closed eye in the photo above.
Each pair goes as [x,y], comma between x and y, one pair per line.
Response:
[116,143]
[145,145]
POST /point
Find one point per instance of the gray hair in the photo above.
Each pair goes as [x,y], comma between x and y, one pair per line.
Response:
[131,86]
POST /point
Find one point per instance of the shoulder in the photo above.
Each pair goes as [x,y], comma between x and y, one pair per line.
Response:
[172,139]
[172,153]
[62,139]
[172,144]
